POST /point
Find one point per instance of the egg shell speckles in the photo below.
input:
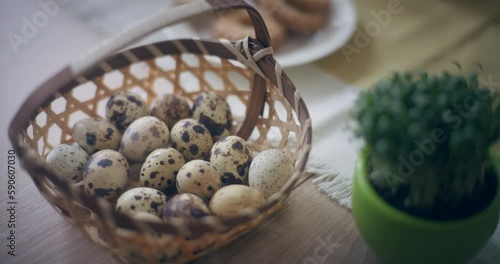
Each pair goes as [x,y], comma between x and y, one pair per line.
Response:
[231,199]
[141,199]
[143,136]
[67,162]
[269,171]
[192,139]
[161,168]
[95,134]
[186,206]
[125,107]
[232,157]
[171,108]
[200,178]
[105,174]
[214,112]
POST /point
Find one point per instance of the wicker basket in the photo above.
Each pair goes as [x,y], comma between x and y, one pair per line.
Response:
[273,115]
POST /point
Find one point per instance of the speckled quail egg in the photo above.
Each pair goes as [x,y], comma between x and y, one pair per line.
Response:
[166,255]
[67,162]
[171,108]
[95,134]
[200,178]
[269,171]
[192,139]
[161,168]
[214,112]
[143,136]
[141,199]
[125,107]
[230,199]
[105,174]
[231,156]
[186,206]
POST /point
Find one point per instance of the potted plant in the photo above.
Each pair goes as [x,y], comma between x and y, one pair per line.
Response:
[426,185]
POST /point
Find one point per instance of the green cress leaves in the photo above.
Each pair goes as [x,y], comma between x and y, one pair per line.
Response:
[429,137]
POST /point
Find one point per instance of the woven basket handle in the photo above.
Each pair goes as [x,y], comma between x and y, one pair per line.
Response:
[168,17]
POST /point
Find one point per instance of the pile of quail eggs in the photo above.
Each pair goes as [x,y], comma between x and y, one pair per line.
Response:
[186,161]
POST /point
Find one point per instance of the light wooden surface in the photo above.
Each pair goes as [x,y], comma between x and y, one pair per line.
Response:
[425,34]
[306,230]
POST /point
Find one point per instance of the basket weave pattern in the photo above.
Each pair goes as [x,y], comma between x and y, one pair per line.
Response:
[268,111]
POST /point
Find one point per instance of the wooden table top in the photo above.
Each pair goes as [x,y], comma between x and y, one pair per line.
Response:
[310,228]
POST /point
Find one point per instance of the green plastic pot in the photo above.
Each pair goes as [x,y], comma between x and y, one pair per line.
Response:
[400,238]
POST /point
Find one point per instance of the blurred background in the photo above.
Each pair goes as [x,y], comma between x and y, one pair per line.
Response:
[388,35]
[371,40]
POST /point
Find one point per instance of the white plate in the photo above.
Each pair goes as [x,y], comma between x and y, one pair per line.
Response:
[297,49]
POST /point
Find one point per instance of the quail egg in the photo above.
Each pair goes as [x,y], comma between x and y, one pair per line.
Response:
[231,199]
[141,199]
[95,134]
[142,137]
[214,112]
[192,139]
[200,178]
[186,206]
[269,171]
[125,107]
[67,162]
[231,156]
[105,174]
[161,168]
[171,108]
